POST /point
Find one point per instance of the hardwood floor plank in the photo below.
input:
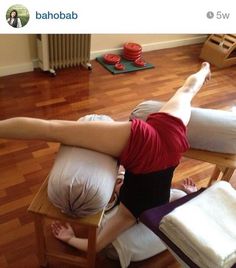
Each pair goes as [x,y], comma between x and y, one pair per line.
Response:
[9,226]
[25,261]
[10,176]
[28,166]
[52,148]
[50,102]
[18,203]
[15,234]
[11,147]
[3,262]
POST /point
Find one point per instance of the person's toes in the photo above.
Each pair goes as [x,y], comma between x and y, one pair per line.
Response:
[205,64]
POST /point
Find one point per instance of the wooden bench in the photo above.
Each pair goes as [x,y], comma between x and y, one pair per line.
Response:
[225,164]
[42,209]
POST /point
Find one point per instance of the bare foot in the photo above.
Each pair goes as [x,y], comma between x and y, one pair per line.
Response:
[195,81]
[188,186]
[206,68]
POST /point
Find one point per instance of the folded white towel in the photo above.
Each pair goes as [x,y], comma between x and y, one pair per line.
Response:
[205,227]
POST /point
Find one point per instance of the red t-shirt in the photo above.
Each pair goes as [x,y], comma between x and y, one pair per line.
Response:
[154,145]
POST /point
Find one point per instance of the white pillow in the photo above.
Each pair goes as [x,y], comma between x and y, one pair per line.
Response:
[208,129]
[81,181]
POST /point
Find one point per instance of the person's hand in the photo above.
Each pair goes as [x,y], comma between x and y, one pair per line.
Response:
[64,233]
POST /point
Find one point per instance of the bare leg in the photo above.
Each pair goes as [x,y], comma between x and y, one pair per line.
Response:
[106,137]
[180,104]
[120,222]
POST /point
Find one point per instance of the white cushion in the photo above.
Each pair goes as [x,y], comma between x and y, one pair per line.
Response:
[81,181]
[138,242]
[208,129]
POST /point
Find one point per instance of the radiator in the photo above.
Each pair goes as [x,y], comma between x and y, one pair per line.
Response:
[56,51]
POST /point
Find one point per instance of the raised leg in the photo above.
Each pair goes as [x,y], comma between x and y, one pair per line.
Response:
[180,104]
[106,137]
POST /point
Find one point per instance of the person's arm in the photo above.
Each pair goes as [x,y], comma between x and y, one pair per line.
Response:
[79,243]
[117,224]
[19,24]
[66,234]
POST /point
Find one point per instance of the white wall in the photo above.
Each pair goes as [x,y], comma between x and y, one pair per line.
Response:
[102,43]
[17,53]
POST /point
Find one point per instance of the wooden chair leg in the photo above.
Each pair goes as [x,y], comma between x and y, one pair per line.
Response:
[40,237]
[92,239]
[215,175]
[227,174]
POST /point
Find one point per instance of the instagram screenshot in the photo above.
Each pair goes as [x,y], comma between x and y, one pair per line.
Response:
[117,134]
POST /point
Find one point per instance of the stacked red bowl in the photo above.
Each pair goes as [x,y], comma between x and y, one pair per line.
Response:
[132,51]
[111,58]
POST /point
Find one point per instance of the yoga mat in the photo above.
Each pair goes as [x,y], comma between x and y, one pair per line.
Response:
[129,66]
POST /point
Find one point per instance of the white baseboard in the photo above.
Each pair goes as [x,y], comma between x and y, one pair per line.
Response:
[154,46]
[16,69]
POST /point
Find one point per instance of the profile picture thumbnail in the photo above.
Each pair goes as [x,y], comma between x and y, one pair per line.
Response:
[17,16]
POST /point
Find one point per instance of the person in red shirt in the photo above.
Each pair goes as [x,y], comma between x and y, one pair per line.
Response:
[149,152]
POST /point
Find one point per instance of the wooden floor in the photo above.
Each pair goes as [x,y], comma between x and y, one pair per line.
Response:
[70,95]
